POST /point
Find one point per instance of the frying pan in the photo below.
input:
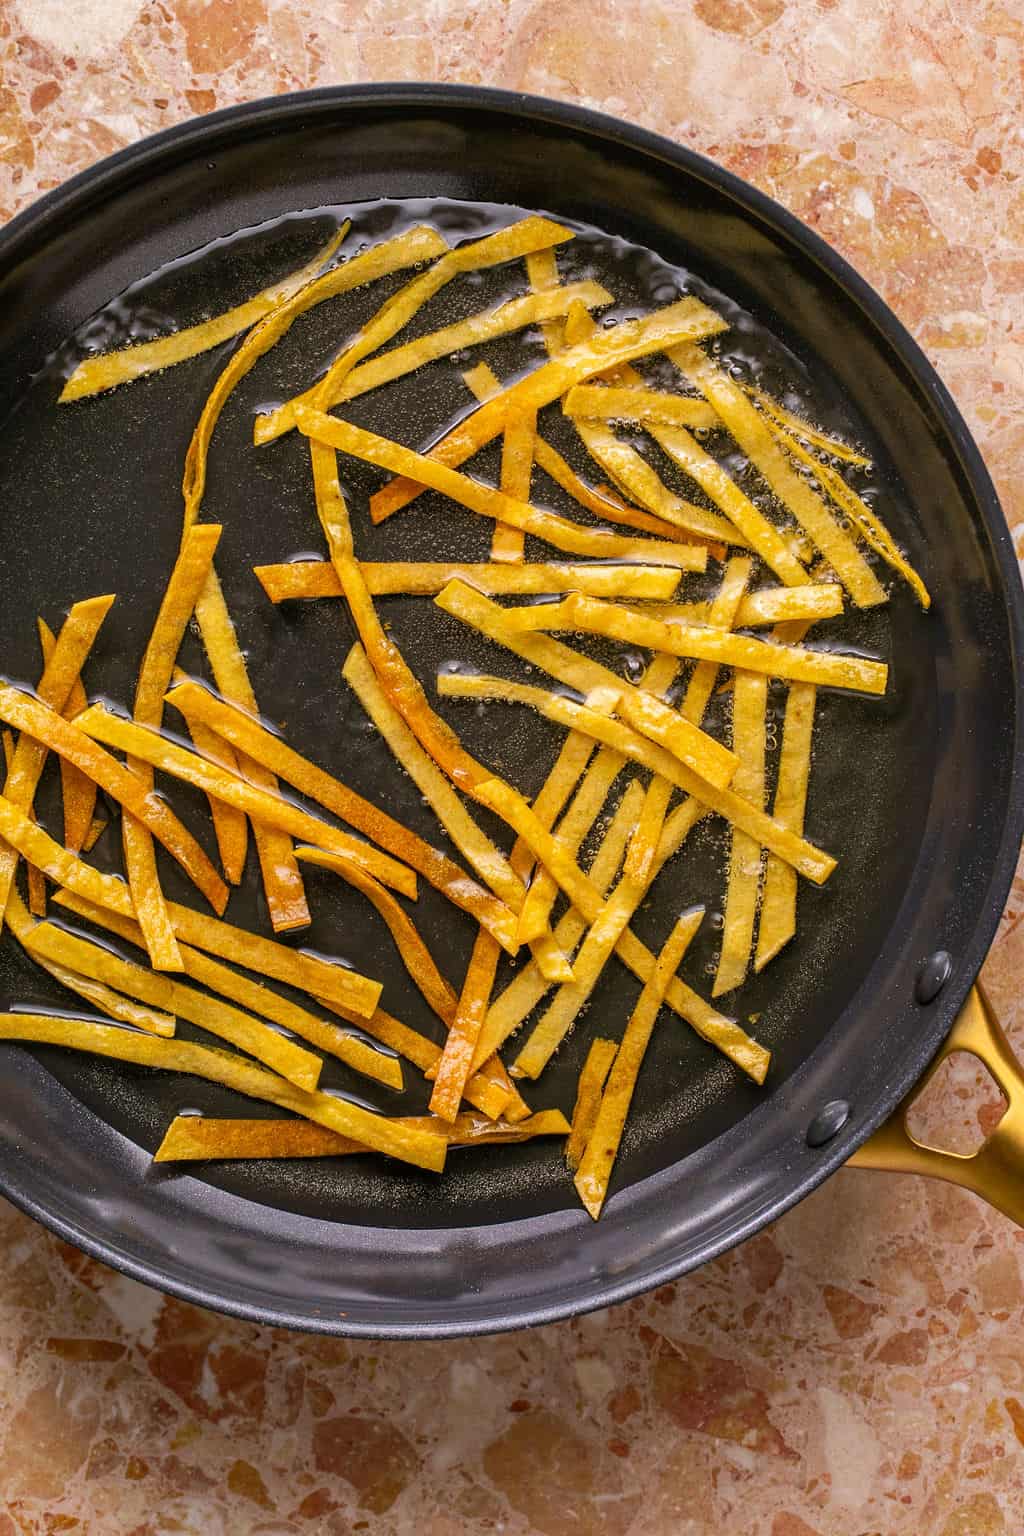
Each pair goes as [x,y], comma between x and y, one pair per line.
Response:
[921,795]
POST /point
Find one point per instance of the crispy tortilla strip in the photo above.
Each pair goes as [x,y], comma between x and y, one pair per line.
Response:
[197,704]
[610,402]
[190,1138]
[529,234]
[457,1057]
[588,1098]
[230,825]
[416,957]
[754,435]
[647,714]
[96,830]
[528,986]
[509,544]
[687,320]
[602,937]
[723,1033]
[94,375]
[282,881]
[36,881]
[771,605]
[602,1147]
[318,578]
[173,997]
[749,703]
[800,428]
[513,315]
[181,594]
[265,808]
[63,868]
[579,612]
[778,905]
[255,997]
[245,1077]
[542,275]
[78,792]
[404,251]
[28,755]
[559,532]
[721,615]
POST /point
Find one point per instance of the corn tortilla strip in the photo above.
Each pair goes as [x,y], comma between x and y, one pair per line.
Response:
[588,1098]
[95,375]
[190,1138]
[405,250]
[605,931]
[800,428]
[453,1069]
[96,830]
[686,320]
[542,275]
[647,714]
[230,825]
[255,1082]
[416,957]
[717,1030]
[255,997]
[528,986]
[559,532]
[36,882]
[509,544]
[107,1001]
[721,615]
[578,612]
[770,605]
[778,904]
[318,578]
[265,808]
[78,792]
[282,881]
[594,1171]
[172,997]
[609,402]
[186,582]
[754,436]
[749,703]
[532,233]
[61,668]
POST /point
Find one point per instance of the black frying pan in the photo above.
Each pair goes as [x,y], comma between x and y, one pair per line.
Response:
[919,795]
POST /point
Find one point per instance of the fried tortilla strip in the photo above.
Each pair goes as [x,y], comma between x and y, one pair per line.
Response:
[602,937]
[230,825]
[602,1147]
[61,670]
[755,437]
[457,1057]
[529,234]
[262,807]
[723,1033]
[173,997]
[245,1077]
[749,703]
[181,594]
[36,881]
[588,1098]
[190,1138]
[78,792]
[96,830]
[721,615]
[509,544]
[609,402]
[800,428]
[542,274]
[416,957]
[282,881]
[528,986]
[647,714]
[94,375]
[778,905]
[404,251]
[770,605]
[559,532]
[317,578]
[255,997]
[686,320]
[578,612]
[198,705]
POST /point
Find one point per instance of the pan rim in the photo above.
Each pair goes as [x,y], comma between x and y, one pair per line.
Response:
[72,198]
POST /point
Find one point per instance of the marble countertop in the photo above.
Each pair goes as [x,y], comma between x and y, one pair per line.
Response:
[858,1370]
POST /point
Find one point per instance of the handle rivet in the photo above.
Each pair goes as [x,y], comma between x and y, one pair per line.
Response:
[828,1122]
[933,975]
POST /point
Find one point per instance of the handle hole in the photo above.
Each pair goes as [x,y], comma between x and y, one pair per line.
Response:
[958,1108]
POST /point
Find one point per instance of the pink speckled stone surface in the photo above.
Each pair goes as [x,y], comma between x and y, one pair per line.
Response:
[858,1370]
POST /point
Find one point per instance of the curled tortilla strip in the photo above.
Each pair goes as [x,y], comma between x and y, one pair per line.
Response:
[374,1131]
[588,1098]
[318,578]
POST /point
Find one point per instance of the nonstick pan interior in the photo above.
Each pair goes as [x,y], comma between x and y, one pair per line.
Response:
[913,794]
